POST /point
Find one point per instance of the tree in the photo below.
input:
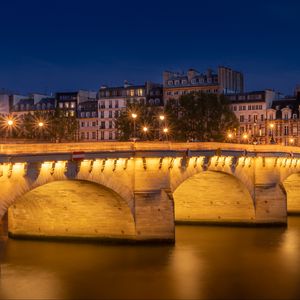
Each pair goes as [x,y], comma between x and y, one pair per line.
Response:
[201,117]
[147,116]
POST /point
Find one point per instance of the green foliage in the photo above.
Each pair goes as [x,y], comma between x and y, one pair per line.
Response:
[146,117]
[201,117]
[57,126]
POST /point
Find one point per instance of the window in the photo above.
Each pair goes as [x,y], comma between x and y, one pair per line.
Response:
[102,104]
[110,135]
[234,108]
[170,82]
[140,92]
[87,135]
[72,113]
[262,117]
[294,116]
[241,118]
[102,135]
[93,123]
[93,135]
[82,135]
[110,124]
[249,107]
[110,104]
[66,104]
[255,118]
[286,130]
[286,116]
[102,125]
[72,105]
[184,81]
[249,118]
[176,82]
[82,124]
[116,104]
[110,114]
[61,105]
[102,114]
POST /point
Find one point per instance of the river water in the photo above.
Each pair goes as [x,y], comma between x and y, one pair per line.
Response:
[205,263]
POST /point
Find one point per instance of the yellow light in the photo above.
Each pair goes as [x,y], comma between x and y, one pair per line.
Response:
[292,140]
[272,125]
[145,129]
[10,122]
[245,136]
[162,117]
[229,135]
[133,115]
[166,130]
[41,124]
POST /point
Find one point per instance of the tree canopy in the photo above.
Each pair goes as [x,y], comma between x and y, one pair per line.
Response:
[201,117]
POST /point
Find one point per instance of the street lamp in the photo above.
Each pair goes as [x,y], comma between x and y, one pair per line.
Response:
[165,131]
[10,123]
[134,116]
[229,136]
[41,124]
[145,129]
[272,138]
[161,117]
[292,140]
[245,137]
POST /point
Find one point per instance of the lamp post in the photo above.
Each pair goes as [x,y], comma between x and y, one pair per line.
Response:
[245,137]
[229,136]
[41,125]
[165,131]
[292,141]
[161,120]
[145,130]
[10,123]
[272,138]
[134,116]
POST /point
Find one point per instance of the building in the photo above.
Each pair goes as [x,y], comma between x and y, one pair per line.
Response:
[69,101]
[176,84]
[88,120]
[251,111]
[112,100]
[284,121]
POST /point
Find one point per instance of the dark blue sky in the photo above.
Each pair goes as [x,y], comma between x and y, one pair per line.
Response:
[54,45]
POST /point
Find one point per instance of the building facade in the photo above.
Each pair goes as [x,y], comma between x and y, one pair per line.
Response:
[112,100]
[226,80]
[88,120]
[69,101]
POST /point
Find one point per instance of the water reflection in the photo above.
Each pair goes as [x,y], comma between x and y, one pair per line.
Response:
[206,263]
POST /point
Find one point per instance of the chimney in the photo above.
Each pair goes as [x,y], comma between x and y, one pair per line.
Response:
[191,73]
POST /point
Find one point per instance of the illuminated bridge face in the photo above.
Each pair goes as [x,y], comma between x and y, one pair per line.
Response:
[138,191]
[71,209]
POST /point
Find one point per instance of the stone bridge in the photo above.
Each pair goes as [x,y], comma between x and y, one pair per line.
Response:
[137,191]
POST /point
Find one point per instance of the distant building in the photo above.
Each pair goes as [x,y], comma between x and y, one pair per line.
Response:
[88,120]
[4,104]
[112,100]
[20,105]
[69,101]
[226,81]
[251,110]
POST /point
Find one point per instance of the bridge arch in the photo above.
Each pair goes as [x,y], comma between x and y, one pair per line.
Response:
[291,186]
[213,196]
[71,209]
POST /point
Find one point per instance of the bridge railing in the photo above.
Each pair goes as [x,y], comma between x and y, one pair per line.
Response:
[14,149]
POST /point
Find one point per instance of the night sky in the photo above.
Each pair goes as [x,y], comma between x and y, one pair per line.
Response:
[50,45]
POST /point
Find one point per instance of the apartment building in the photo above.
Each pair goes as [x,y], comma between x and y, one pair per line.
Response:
[112,100]
[226,80]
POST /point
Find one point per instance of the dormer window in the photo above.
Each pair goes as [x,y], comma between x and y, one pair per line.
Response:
[176,82]
[170,82]
[184,81]
[294,116]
